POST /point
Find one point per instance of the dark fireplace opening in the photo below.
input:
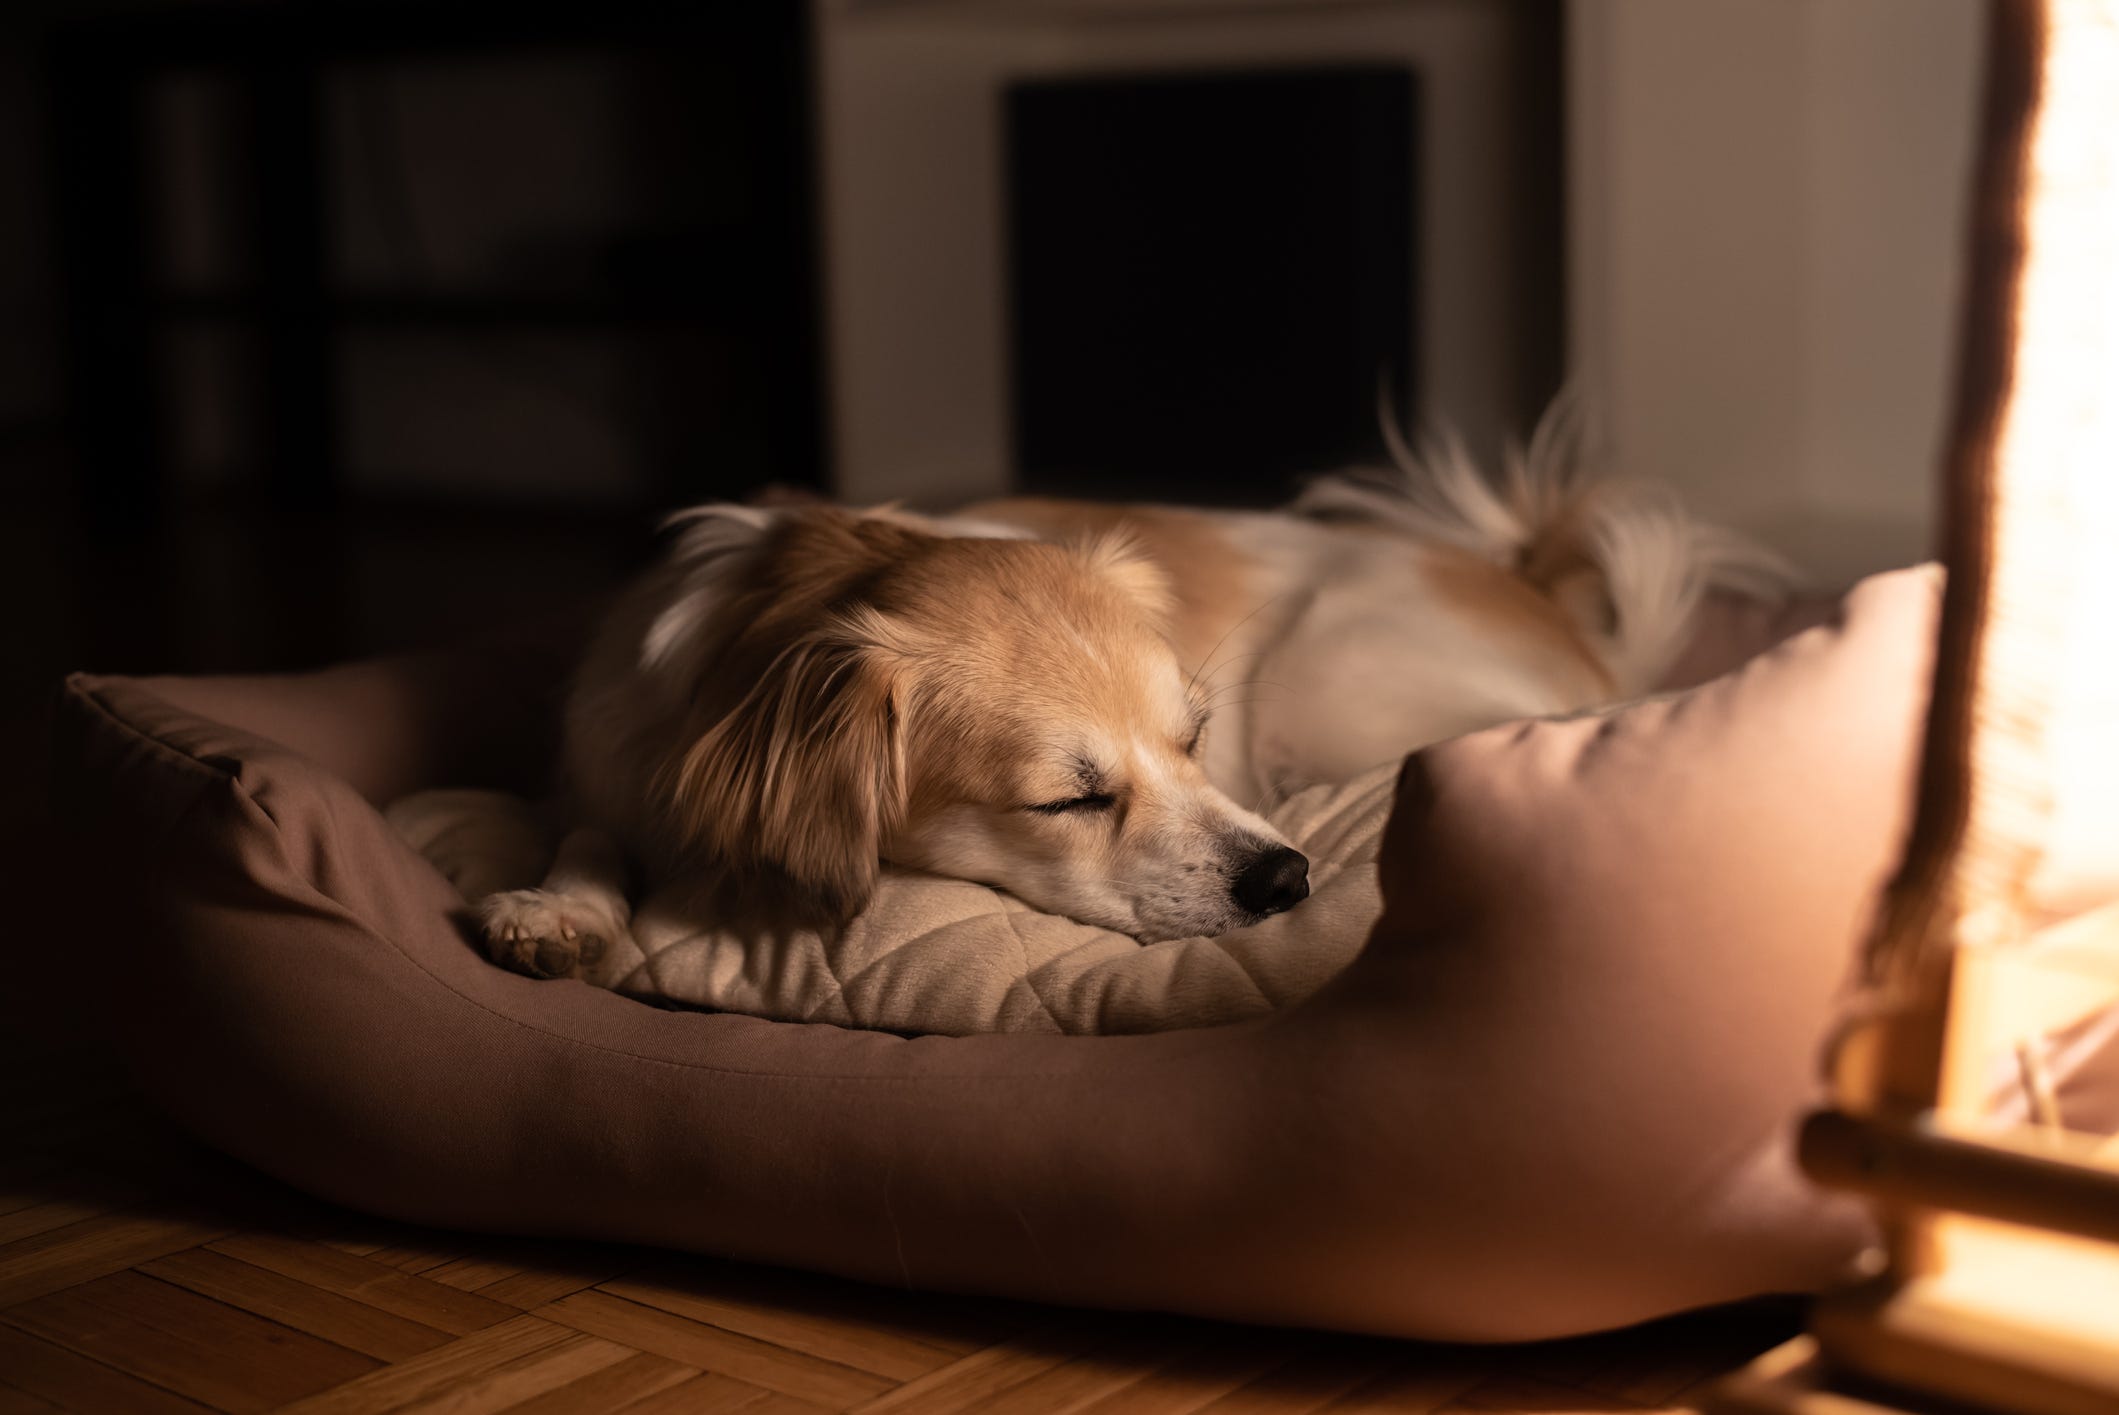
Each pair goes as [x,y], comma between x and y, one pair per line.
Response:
[1211,276]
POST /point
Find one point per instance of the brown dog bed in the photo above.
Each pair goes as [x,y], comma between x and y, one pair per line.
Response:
[1554,1092]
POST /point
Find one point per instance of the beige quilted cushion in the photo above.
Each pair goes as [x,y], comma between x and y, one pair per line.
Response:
[941,955]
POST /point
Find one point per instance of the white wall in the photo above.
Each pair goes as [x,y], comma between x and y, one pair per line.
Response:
[1766,219]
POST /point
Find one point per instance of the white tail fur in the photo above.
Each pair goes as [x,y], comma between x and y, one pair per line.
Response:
[1548,514]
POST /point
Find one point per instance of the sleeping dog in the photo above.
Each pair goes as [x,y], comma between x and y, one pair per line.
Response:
[1085,704]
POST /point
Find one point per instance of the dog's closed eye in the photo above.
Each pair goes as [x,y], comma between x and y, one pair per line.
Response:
[1093,801]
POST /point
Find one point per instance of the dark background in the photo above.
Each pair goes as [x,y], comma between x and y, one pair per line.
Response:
[335,328]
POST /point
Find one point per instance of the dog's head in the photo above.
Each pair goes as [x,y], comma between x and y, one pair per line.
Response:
[994,709]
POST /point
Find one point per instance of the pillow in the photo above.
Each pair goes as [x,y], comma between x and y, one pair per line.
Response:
[1554,1092]
[946,956]
[1625,934]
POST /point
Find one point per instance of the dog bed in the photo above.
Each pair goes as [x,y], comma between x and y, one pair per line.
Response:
[1552,1091]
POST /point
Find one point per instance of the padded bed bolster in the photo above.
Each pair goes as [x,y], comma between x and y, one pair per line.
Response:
[1463,1136]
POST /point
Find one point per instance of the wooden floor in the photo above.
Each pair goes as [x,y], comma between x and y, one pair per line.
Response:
[142,1272]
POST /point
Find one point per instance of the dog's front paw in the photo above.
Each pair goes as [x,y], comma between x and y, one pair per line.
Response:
[546,935]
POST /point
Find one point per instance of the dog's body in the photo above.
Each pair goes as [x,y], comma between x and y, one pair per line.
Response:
[1329,647]
[1017,694]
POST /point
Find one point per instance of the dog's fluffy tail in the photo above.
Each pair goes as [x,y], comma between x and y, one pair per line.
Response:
[1628,564]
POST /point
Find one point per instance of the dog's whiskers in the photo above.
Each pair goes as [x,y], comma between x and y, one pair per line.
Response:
[1216,700]
[1208,661]
[1274,793]
[1230,662]
[1246,702]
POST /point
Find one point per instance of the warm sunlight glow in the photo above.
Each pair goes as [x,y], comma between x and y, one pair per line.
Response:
[2044,833]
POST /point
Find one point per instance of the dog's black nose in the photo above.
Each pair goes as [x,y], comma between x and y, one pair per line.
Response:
[1276,880]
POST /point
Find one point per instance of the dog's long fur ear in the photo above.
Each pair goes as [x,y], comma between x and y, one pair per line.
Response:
[794,789]
[795,786]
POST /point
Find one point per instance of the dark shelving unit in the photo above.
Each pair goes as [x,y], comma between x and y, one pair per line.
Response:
[754,284]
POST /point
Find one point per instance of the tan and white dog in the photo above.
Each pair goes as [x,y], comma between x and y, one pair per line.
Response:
[1085,704]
